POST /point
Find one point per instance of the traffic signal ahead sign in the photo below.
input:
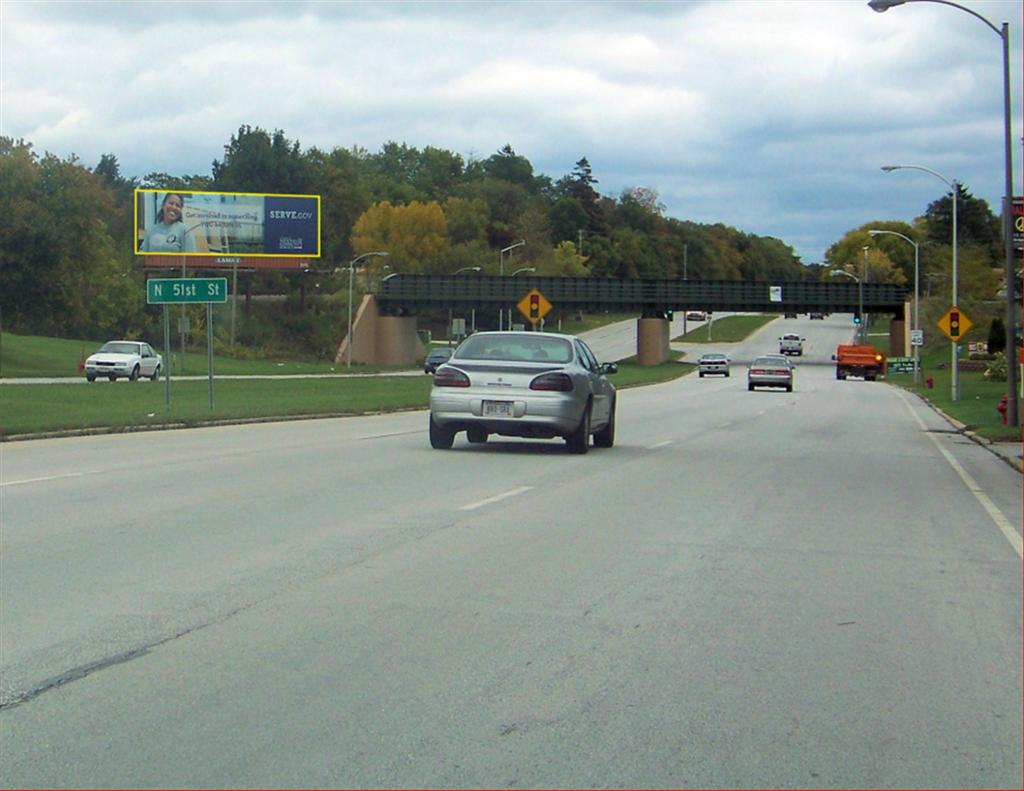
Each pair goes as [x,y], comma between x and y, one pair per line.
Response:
[955,323]
[534,306]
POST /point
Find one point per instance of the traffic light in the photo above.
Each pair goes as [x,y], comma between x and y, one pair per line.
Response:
[534,306]
[856,318]
[954,324]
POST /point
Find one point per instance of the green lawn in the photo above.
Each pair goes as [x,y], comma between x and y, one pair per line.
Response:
[121,405]
[25,356]
[728,329]
[27,409]
[979,397]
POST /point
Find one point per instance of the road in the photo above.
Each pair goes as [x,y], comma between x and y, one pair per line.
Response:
[819,589]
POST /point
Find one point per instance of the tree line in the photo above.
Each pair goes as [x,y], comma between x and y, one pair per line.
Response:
[66,231]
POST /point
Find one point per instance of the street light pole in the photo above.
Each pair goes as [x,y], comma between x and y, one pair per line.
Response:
[1012,414]
[456,272]
[955,186]
[916,325]
[351,273]
[501,272]
[860,296]
[517,272]
[863,318]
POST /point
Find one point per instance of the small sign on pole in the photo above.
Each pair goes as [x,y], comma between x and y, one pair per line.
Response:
[183,290]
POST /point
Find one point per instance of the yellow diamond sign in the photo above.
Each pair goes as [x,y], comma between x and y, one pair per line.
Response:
[955,323]
[534,306]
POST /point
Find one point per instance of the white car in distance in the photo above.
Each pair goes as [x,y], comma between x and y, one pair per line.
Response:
[124,359]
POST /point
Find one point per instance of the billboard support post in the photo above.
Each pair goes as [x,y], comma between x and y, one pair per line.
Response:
[167,357]
[234,300]
[209,348]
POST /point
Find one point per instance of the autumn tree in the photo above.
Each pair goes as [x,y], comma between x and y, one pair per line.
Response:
[414,235]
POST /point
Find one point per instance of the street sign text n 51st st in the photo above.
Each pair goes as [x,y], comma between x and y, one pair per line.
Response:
[174,290]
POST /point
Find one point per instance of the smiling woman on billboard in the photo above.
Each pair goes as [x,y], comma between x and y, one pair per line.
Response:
[169,235]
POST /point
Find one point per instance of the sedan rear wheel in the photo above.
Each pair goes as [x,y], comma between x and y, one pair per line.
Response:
[605,438]
[156,374]
[579,440]
[440,438]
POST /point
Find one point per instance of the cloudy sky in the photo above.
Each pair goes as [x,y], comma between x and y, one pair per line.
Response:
[772,116]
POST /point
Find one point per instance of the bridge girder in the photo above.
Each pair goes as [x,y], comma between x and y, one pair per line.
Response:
[406,294]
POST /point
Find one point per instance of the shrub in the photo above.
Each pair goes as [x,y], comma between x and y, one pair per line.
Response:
[996,371]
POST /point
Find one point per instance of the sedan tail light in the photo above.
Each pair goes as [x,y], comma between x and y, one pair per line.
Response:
[450,377]
[552,381]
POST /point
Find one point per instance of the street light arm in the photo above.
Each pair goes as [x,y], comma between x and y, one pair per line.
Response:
[881,6]
[894,233]
[513,246]
[890,168]
[359,258]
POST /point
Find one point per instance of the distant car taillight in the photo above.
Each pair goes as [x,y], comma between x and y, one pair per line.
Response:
[552,381]
[450,377]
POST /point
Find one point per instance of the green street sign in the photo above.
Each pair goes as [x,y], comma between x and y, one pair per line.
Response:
[175,290]
[900,365]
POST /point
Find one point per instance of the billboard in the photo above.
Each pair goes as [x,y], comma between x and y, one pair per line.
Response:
[226,224]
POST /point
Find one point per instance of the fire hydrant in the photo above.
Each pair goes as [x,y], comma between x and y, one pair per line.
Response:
[1002,408]
[929,382]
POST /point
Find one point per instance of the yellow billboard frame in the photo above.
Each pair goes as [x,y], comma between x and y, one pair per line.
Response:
[222,254]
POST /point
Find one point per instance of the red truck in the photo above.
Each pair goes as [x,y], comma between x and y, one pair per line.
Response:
[856,360]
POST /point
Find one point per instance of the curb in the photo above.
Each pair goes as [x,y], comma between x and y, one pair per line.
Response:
[240,421]
[962,428]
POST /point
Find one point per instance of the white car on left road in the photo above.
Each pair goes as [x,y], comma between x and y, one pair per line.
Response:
[124,359]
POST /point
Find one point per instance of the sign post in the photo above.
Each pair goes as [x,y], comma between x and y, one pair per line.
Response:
[167,357]
[183,291]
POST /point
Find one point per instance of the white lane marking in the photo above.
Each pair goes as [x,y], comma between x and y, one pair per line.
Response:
[48,478]
[495,499]
[986,502]
[659,445]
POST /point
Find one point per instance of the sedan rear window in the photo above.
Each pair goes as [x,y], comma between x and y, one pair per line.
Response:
[517,348]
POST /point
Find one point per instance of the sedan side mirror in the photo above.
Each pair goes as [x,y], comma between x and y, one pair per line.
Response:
[609,368]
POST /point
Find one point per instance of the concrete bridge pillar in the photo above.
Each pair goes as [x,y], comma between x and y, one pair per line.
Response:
[381,340]
[652,341]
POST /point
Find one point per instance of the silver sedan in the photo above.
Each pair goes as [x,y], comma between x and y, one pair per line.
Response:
[523,384]
[771,370]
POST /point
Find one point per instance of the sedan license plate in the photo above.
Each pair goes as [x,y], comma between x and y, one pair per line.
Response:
[497,409]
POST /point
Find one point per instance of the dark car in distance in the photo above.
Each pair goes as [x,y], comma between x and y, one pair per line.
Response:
[436,357]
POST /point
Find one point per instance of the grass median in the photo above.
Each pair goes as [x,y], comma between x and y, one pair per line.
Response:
[728,329]
[123,406]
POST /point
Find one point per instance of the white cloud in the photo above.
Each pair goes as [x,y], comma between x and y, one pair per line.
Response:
[769,115]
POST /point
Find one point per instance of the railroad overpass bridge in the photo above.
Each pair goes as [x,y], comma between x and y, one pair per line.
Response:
[384,330]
